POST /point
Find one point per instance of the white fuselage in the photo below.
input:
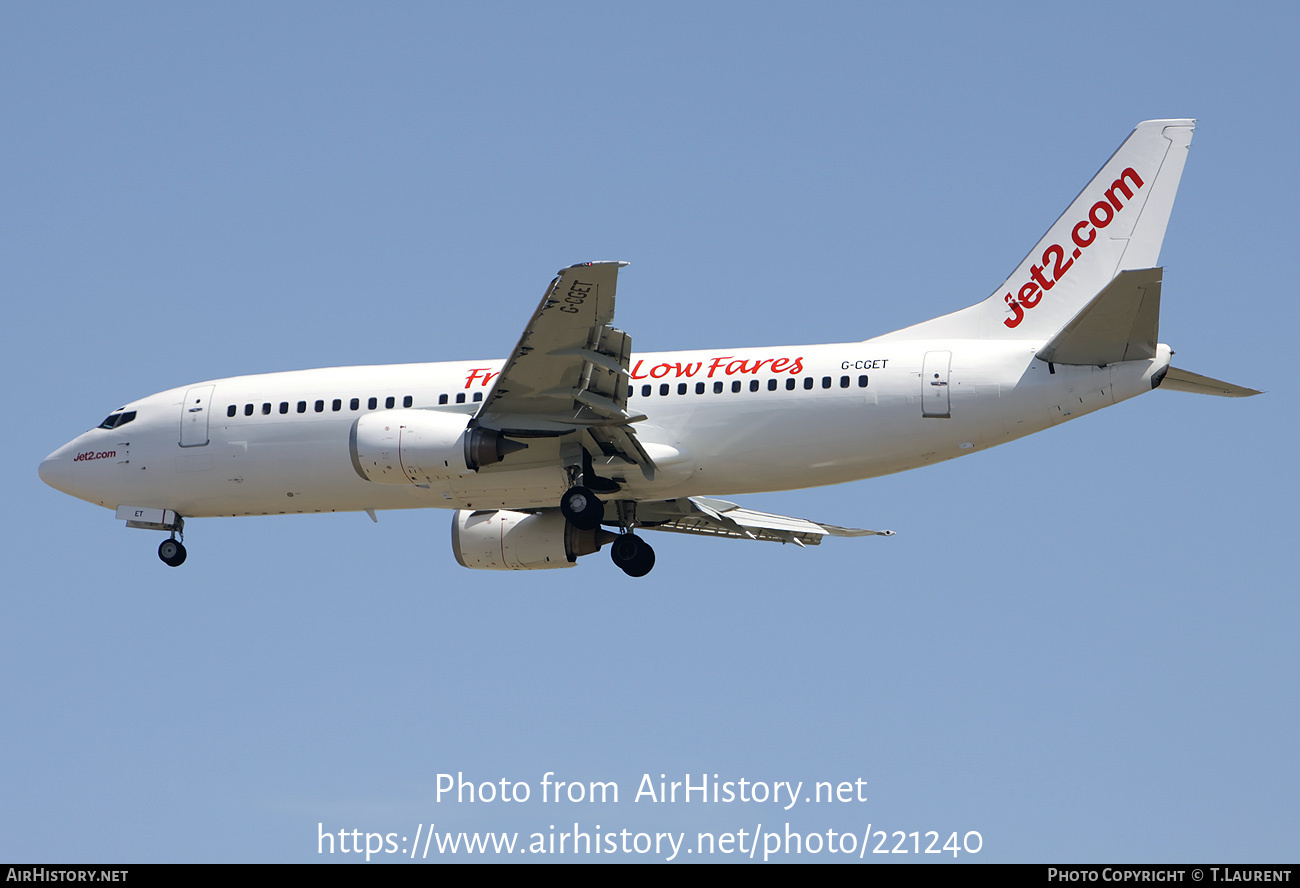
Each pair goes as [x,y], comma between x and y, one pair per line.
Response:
[717,422]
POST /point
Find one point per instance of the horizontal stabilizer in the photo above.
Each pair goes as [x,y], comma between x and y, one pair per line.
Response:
[1183,381]
[1121,323]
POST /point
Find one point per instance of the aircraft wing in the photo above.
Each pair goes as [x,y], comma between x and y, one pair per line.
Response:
[715,517]
[569,371]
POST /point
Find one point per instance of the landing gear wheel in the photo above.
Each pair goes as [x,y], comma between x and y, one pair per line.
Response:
[581,507]
[172,553]
[632,555]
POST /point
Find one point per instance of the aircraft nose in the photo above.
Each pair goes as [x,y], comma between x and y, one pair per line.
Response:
[55,469]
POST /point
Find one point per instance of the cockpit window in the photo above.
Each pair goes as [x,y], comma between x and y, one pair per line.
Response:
[117,419]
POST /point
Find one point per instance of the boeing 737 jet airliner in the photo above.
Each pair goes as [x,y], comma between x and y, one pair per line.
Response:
[574,441]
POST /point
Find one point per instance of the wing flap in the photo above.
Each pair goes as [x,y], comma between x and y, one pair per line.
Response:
[714,517]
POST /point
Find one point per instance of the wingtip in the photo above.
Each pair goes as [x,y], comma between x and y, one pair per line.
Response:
[619,262]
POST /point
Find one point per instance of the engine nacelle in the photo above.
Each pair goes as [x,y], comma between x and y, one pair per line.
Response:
[422,446]
[505,540]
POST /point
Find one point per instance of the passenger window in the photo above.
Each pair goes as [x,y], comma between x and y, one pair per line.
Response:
[629,391]
[284,406]
[699,388]
[862,382]
[807,382]
[406,402]
[355,404]
[826,382]
[248,409]
[373,403]
[302,406]
[230,411]
[735,386]
[789,384]
[663,389]
[753,385]
[320,406]
[337,405]
[478,396]
[389,402]
[844,382]
[442,399]
[645,391]
[717,387]
[681,388]
[460,397]
[771,385]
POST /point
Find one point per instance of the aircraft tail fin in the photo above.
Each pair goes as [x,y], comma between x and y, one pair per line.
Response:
[1116,224]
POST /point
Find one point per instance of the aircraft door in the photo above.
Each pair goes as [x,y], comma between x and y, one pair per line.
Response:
[934,384]
[194,416]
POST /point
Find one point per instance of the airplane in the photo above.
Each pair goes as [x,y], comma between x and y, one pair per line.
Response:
[574,442]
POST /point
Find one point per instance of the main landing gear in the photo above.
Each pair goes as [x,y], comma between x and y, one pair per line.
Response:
[632,554]
[585,511]
[579,503]
[172,552]
[582,508]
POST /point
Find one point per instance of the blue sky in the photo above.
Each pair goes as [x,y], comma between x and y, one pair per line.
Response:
[1080,644]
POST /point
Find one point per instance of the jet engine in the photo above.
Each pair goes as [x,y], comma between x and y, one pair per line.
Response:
[422,446]
[505,540]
